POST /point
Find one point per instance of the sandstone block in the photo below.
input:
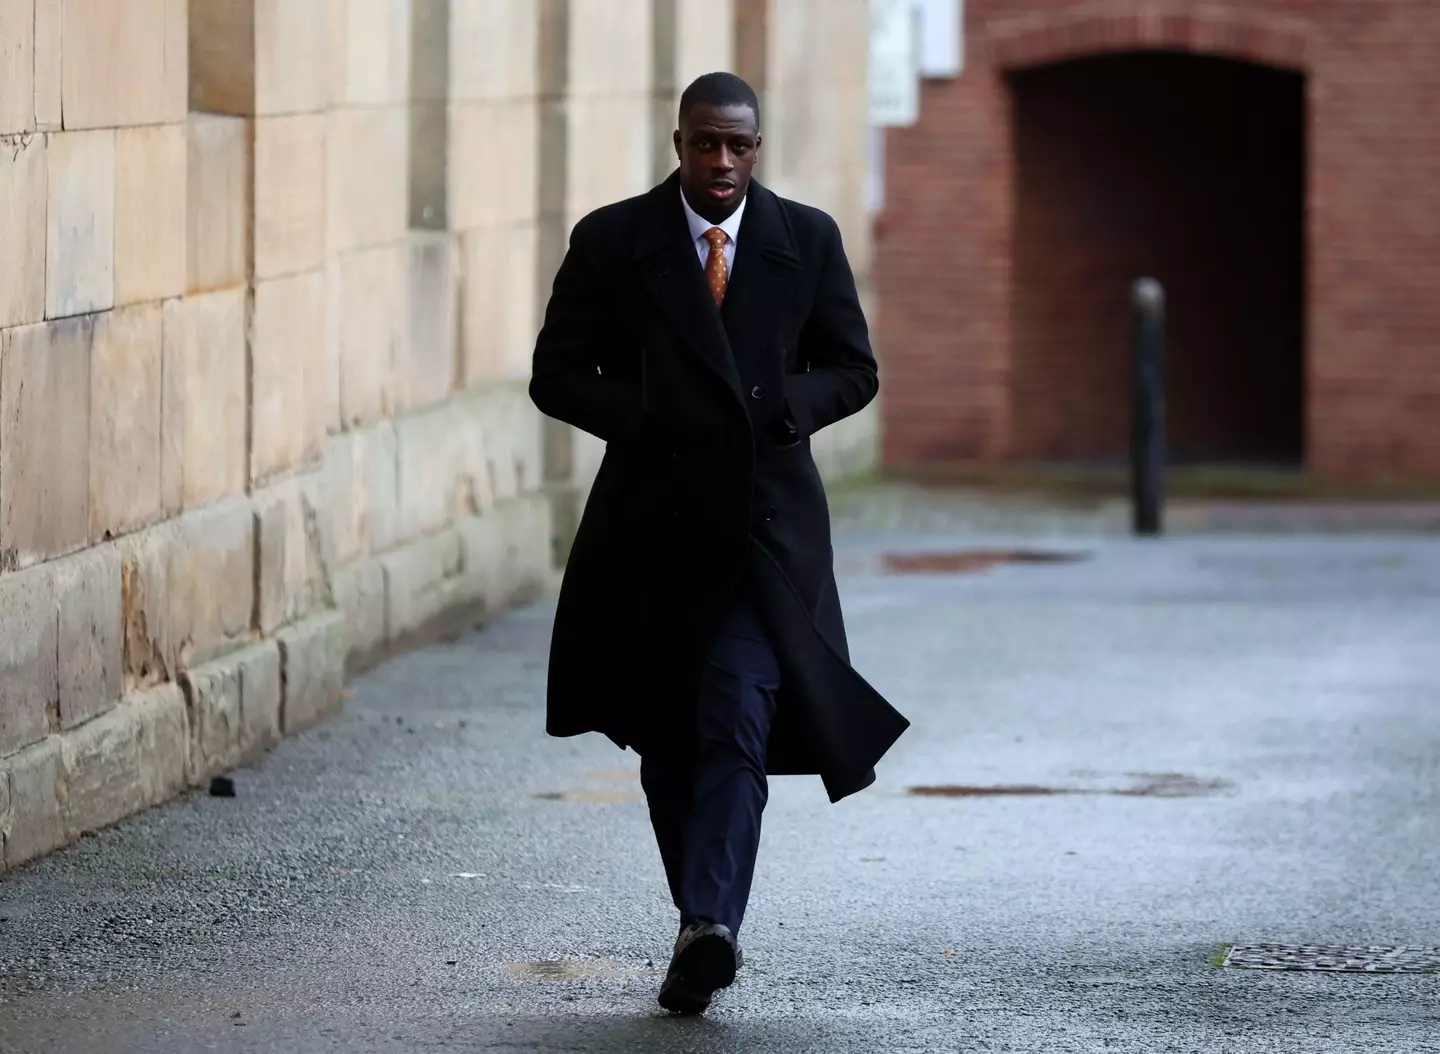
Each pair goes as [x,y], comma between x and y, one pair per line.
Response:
[296,551]
[312,655]
[367,200]
[17,66]
[370,63]
[203,400]
[507,552]
[367,295]
[49,17]
[705,41]
[23,191]
[360,596]
[288,367]
[426,475]
[88,595]
[291,56]
[289,194]
[510,454]
[150,218]
[481,193]
[124,64]
[494,49]
[617,128]
[427,372]
[147,652]
[80,224]
[217,202]
[29,673]
[261,696]
[360,493]
[499,311]
[44,440]
[610,49]
[37,825]
[212,700]
[210,582]
[125,397]
[423,582]
[128,760]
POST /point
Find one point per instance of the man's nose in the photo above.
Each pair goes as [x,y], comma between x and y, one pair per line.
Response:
[725,160]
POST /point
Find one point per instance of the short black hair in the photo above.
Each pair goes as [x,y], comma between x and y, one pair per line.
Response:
[719,89]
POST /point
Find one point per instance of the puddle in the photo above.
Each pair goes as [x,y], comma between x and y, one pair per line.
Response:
[591,797]
[1137,785]
[573,970]
[969,561]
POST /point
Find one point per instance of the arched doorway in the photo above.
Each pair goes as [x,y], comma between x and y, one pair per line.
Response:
[1190,169]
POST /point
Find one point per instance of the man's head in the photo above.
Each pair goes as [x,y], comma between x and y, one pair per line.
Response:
[717,142]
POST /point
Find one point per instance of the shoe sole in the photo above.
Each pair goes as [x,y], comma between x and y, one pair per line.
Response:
[705,966]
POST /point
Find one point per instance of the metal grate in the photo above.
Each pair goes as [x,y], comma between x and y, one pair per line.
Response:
[1333,958]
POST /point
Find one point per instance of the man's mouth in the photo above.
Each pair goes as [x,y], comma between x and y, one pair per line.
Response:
[721,189]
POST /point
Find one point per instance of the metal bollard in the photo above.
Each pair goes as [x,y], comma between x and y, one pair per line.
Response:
[1147,430]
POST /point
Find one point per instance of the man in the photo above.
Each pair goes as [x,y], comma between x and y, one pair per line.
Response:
[705,331]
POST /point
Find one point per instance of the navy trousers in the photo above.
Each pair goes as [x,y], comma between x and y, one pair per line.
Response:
[706,798]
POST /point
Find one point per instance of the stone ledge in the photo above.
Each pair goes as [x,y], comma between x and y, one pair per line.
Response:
[436,587]
[161,739]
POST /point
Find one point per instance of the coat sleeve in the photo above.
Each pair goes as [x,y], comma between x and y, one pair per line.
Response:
[566,378]
[835,345]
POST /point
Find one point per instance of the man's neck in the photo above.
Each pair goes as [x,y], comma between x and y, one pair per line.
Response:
[714,218]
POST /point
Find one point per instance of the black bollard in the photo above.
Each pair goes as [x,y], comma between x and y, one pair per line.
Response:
[1147,432]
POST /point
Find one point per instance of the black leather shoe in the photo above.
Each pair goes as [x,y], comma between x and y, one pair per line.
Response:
[705,960]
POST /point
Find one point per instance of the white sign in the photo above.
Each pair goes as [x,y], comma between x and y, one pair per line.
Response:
[894,62]
[942,32]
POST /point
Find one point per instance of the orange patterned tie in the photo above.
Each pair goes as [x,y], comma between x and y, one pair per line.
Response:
[716,273]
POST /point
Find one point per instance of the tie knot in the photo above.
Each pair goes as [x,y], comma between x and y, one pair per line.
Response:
[716,237]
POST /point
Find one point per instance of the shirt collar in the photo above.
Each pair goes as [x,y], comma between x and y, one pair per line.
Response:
[699,224]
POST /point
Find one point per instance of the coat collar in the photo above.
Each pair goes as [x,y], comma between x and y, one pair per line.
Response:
[669,268]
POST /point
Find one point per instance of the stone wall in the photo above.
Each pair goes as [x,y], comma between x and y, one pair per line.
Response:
[270,274]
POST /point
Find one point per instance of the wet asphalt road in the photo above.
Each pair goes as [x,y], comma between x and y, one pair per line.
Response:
[429,872]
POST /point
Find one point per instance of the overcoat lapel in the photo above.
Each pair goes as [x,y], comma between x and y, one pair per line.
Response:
[765,263]
[670,272]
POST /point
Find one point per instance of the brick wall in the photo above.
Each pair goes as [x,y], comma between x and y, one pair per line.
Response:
[1028,195]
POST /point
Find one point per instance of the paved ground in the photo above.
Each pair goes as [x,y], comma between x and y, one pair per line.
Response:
[428,872]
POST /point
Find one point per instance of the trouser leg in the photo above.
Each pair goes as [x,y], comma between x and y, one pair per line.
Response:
[729,790]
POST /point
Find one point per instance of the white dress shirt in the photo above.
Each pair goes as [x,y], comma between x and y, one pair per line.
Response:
[699,225]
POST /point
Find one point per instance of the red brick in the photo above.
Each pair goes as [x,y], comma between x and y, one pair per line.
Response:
[1003,333]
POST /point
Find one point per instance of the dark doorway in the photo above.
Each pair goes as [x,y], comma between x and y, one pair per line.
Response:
[1187,169]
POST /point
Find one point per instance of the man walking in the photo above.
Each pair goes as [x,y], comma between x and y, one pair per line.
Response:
[705,331]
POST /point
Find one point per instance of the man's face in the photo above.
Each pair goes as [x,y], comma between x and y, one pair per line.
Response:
[717,146]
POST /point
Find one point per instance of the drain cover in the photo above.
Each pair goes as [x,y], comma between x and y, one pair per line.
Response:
[1333,958]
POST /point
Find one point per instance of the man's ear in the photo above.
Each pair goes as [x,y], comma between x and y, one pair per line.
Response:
[676,140]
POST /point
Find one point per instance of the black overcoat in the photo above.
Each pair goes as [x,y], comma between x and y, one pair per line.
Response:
[707,485]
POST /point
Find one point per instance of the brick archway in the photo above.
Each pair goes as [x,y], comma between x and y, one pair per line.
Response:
[1067,396]
[1203,29]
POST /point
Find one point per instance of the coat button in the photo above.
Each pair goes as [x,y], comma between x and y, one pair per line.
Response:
[757,392]
[769,513]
